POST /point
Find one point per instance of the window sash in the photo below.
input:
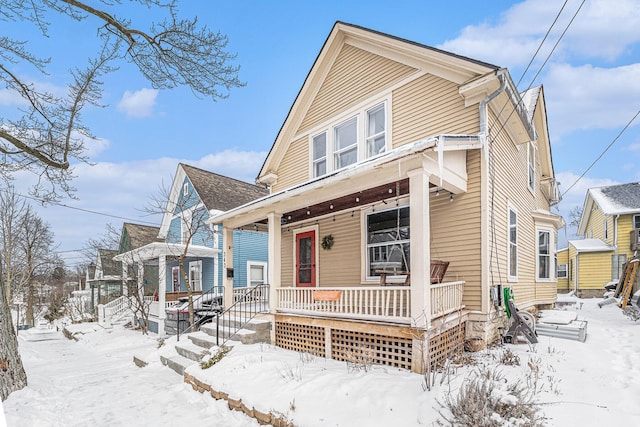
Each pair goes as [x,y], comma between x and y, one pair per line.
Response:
[376,131]
[636,221]
[320,154]
[544,255]
[562,271]
[617,262]
[388,242]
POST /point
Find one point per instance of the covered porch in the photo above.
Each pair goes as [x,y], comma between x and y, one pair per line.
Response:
[163,295]
[361,280]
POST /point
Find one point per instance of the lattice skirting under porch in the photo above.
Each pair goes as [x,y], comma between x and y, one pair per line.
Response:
[390,345]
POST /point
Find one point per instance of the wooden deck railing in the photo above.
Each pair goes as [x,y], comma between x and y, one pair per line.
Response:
[389,303]
[446,298]
[383,303]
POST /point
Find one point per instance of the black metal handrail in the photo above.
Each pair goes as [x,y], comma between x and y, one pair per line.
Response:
[242,311]
[214,293]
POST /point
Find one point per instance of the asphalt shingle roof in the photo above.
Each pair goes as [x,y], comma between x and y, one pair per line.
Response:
[618,199]
[221,192]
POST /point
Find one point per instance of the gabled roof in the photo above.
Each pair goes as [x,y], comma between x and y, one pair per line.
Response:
[109,266]
[619,199]
[591,245]
[138,235]
[218,193]
[421,57]
[221,192]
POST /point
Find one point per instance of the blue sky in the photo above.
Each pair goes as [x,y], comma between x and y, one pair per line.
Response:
[592,87]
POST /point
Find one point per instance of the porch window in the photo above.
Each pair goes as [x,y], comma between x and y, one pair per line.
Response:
[616,265]
[320,154]
[513,244]
[257,273]
[376,125]
[562,271]
[175,278]
[388,236]
[531,157]
[195,275]
[544,255]
[345,143]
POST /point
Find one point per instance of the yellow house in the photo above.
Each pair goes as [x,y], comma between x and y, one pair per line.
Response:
[610,223]
[395,159]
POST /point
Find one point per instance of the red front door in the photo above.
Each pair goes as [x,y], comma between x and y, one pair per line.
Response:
[306,259]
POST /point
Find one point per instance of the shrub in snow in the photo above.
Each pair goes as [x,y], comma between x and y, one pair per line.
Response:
[211,359]
[487,399]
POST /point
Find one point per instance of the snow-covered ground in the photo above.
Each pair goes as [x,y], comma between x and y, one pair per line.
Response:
[94,382]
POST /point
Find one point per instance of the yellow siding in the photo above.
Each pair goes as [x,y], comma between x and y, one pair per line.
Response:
[595,226]
[294,168]
[455,234]
[338,266]
[625,225]
[351,81]
[430,106]
[510,181]
[594,269]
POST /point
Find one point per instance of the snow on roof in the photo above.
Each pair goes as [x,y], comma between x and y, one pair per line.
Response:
[617,199]
[590,245]
[529,100]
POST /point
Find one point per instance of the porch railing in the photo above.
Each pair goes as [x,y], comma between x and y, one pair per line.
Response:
[389,303]
[383,303]
[446,298]
[107,311]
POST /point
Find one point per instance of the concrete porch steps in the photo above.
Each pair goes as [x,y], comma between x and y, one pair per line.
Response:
[177,363]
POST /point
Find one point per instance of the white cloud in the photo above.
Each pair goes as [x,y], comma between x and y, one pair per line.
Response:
[138,104]
[600,30]
[123,189]
[589,97]
[11,98]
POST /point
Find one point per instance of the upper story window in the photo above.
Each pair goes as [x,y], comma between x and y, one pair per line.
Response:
[185,189]
[345,143]
[636,221]
[531,160]
[361,136]
[513,244]
[606,229]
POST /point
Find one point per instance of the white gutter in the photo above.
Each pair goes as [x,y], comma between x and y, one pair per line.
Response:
[615,230]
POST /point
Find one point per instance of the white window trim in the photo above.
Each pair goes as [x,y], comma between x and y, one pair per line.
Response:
[197,264]
[566,271]
[364,214]
[606,229]
[185,189]
[257,264]
[531,167]
[633,224]
[328,127]
[552,250]
[510,209]
[173,270]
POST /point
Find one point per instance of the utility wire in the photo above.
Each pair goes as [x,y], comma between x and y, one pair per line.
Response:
[603,152]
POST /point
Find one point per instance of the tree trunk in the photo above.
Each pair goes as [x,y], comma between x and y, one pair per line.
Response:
[12,374]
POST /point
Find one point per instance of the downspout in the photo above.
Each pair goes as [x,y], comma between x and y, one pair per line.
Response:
[483,108]
[615,231]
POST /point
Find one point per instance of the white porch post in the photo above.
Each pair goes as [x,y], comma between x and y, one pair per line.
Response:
[420,248]
[125,288]
[162,292]
[275,242]
[227,241]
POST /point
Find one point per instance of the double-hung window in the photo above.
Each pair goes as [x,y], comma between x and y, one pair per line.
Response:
[388,236]
[195,275]
[376,126]
[345,143]
[636,221]
[513,244]
[360,136]
[617,262]
[562,271]
[544,255]
[320,154]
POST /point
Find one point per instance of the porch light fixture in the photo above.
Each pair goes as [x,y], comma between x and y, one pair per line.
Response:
[331,206]
[308,211]
[390,190]
[437,191]
[450,196]
[357,199]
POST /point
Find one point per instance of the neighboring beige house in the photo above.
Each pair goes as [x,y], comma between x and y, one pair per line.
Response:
[395,155]
[610,225]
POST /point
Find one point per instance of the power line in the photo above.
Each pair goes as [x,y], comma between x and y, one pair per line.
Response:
[44,202]
[603,152]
